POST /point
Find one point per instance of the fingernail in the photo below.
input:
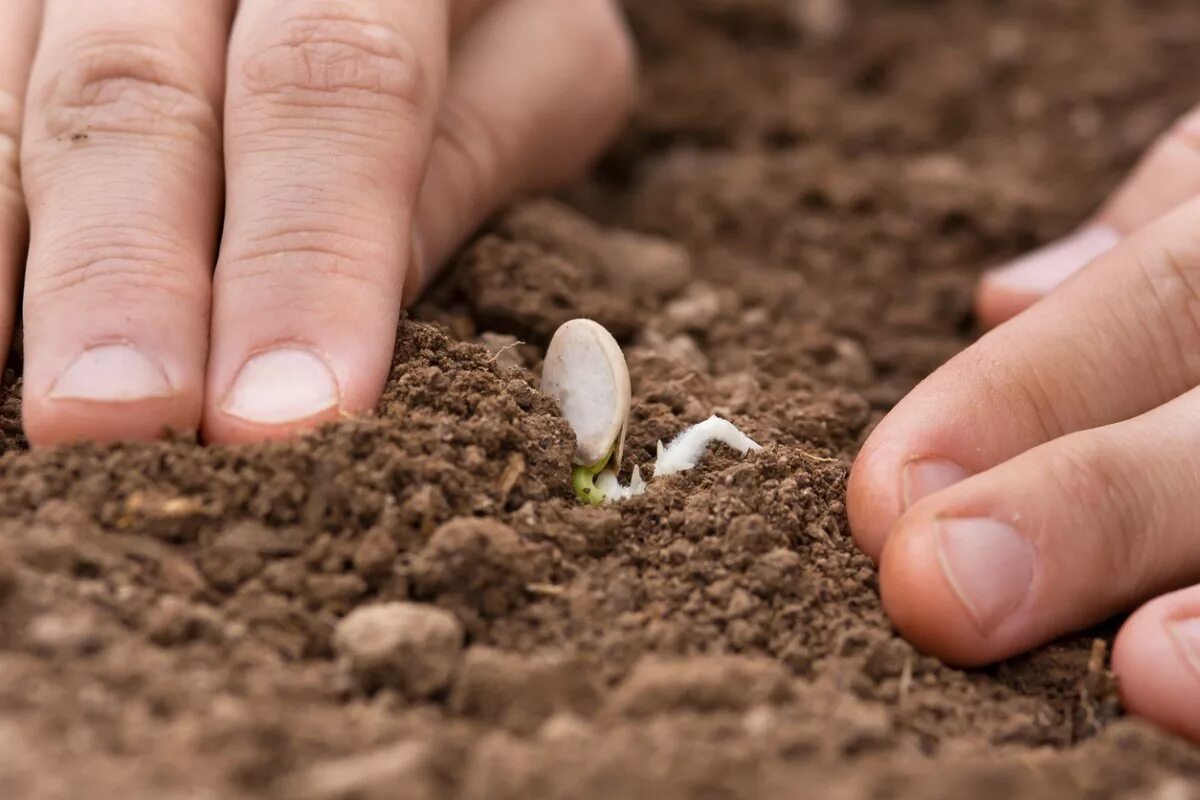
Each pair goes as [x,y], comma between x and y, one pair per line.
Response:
[283,385]
[112,373]
[925,476]
[989,565]
[1186,633]
[1044,269]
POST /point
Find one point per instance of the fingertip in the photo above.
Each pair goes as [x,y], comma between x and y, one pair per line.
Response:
[221,428]
[111,392]
[1156,659]
[867,504]
[277,393]
[921,602]
[49,422]
[996,304]
[891,474]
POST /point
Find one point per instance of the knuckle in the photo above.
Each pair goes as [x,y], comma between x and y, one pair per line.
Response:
[128,85]
[297,258]
[143,264]
[1172,277]
[1094,476]
[331,56]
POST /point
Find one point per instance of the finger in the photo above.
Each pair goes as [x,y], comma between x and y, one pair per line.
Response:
[121,160]
[329,117]
[536,90]
[1117,341]
[1166,178]
[1054,540]
[21,21]
[1156,659]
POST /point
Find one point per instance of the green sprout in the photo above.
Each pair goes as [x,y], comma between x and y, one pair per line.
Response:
[584,480]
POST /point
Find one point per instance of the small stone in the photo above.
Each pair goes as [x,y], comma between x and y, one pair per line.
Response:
[406,646]
[62,634]
[375,774]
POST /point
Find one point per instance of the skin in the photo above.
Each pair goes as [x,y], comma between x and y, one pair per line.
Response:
[226,204]
[1047,477]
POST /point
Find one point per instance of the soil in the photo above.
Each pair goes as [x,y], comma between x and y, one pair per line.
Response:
[788,234]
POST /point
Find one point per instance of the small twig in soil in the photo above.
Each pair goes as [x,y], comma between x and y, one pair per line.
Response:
[501,351]
[545,589]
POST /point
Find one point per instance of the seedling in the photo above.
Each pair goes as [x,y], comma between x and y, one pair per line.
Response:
[585,372]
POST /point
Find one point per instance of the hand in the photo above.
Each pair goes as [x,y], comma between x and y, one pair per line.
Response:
[1049,476]
[341,149]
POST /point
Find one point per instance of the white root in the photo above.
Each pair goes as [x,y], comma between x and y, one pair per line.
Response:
[607,483]
[686,449]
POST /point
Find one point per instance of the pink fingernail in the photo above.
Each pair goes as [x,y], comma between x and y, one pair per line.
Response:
[284,385]
[926,476]
[112,373]
[1044,269]
[989,565]
[1186,633]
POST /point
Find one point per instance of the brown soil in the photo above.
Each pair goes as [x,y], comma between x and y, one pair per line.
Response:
[787,235]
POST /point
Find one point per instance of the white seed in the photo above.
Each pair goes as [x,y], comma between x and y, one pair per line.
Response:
[585,372]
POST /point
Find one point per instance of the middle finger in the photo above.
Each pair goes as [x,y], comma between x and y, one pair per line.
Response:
[330,114]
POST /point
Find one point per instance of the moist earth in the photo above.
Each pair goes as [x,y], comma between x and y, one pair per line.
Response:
[788,234]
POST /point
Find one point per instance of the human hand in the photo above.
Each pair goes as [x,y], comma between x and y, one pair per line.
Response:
[1048,477]
[351,146]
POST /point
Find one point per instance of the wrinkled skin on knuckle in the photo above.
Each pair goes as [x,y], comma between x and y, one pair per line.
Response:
[133,88]
[331,58]
[1116,528]
[92,265]
[1172,280]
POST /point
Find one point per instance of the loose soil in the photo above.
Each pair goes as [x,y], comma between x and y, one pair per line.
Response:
[788,235]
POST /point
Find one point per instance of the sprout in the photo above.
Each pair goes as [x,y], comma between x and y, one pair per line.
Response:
[586,373]
[685,450]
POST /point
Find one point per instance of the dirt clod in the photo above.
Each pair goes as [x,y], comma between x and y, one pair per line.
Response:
[413,648]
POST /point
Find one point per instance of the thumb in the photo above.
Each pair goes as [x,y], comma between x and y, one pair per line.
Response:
[1167,177]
